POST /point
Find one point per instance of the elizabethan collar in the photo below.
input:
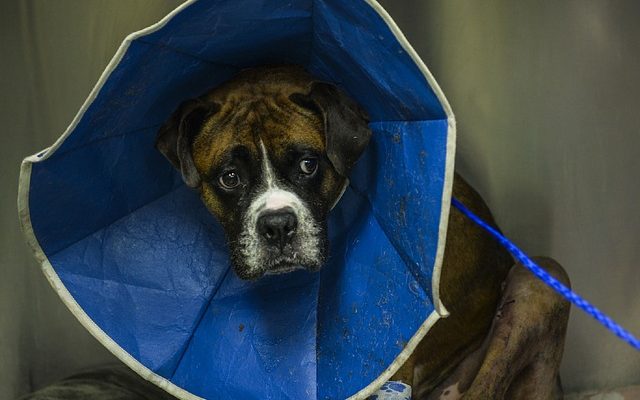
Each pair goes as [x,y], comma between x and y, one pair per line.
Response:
[136,257]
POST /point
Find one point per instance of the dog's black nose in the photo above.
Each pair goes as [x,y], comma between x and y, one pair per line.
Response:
[278,227]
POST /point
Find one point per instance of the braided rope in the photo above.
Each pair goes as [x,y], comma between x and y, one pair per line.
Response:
[552,282]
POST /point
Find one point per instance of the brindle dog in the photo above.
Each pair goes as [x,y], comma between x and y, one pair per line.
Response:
[270,152]
[274,141]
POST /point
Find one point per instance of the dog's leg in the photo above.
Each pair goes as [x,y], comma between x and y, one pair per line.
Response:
[520,357]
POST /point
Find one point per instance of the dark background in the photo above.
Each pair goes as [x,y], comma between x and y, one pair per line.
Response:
[546,96]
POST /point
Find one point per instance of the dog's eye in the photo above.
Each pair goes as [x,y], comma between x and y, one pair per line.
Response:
[229,180]
[309,165]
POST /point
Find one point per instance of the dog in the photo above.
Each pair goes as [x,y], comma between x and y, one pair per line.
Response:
[270,152]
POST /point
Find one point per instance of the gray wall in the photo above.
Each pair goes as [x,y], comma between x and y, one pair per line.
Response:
[52,54]
[545,94]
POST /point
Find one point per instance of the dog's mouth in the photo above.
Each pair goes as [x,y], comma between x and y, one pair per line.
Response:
[283,268]
[289,260]
[253,259]
[277,266]
[282,261]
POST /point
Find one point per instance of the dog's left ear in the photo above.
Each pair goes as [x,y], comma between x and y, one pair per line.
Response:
[176,135]
[345,123]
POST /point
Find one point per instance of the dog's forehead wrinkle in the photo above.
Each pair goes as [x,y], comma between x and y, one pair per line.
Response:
[219,134]
[238,152]
[273,119]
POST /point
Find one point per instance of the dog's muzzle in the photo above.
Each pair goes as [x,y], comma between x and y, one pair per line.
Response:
[280,235]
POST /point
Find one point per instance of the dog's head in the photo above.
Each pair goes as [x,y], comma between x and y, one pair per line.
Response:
[269,152]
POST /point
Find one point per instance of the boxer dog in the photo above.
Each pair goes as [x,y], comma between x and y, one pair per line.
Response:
[270,153]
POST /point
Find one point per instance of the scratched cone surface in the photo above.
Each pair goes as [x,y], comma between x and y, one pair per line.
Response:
[139,261]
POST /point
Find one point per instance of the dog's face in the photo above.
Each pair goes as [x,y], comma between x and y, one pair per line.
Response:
[270,152]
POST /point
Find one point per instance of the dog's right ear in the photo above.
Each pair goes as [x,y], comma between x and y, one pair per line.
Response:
[176,135]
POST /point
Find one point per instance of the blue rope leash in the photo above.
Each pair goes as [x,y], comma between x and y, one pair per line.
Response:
[552,282]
